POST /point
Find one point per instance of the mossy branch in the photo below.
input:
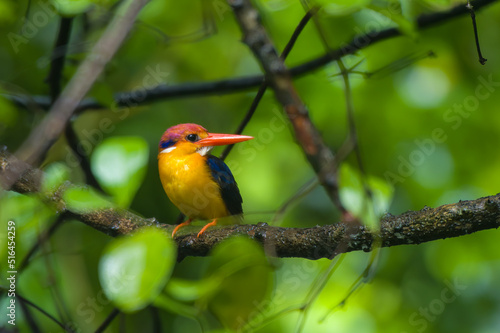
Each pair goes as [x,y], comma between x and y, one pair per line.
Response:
[412,227]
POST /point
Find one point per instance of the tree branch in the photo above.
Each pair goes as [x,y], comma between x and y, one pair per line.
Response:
[227,86]
[41,139]
[59,57]
[54,79]
[469,7]
[263,87]
[277,75]
[412,227]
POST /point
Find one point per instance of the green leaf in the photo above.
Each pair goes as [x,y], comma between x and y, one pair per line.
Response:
[72,7]
[84,199]
[191,290]
[134,270]
[355,199]
[342,7]
[30,215]
[245,281]
[382,193]
[174,306]
[54,176]
[28,211]
[406,26]
[119,164]
[438,3]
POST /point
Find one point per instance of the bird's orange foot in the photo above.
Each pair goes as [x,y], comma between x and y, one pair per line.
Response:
[183,224]
[211,224]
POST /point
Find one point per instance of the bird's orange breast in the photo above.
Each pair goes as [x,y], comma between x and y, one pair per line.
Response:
[189,185]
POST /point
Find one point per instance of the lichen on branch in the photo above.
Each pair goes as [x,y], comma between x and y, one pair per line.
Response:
[412,227]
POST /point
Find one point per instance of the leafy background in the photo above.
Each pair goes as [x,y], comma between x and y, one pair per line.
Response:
[396,113]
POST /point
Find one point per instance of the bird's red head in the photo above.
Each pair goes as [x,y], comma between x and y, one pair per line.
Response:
[195,138]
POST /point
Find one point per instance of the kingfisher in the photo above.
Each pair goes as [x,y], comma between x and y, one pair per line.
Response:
[198,183]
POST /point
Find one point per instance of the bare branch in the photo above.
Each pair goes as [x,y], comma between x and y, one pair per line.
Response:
[59,57]
[54,80]
[43,237]
[469,7]
[54,123]
[233,85]
[42,311]
[115,312]
[30,319]
[263,87]
[319,155]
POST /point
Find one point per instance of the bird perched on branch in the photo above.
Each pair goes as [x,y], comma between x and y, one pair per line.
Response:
[199,184]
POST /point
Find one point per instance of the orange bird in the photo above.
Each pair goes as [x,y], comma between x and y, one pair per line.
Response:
[199,184]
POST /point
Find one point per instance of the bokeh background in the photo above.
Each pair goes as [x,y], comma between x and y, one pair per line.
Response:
[444,286]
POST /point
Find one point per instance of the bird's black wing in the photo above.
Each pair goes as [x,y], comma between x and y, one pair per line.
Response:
[228,187]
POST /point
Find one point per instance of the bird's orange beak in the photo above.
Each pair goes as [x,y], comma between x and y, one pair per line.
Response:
[217,139]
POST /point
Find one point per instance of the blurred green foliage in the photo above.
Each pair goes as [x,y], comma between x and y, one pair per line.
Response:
[119,164]
[245,281]
[133,270]
[353,195]
[429,130]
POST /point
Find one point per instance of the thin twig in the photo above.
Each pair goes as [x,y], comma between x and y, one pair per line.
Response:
[482,60]
[317,286]
[353,133]
[82,157]
[53,284]
[305,189]
[334,181]
[362,279]
[45,313]
[298,30]
[347,218]
[29,316]
[58,57]
[108,320]
[263,87]
[311,142]
[234,85]
[54,79]
[43,237]
[45,134]
[396,65]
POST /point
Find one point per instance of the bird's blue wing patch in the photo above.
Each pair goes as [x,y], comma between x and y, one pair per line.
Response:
[228,187]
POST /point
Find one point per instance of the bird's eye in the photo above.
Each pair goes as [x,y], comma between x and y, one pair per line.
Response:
[192,137]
